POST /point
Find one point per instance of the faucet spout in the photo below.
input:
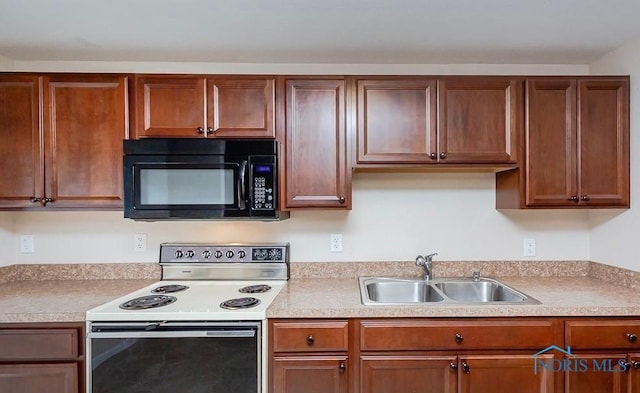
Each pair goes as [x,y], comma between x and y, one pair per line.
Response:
[426,263]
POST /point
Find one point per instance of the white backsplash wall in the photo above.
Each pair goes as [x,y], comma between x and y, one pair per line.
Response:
[7,238]
[395,216]
[614,234]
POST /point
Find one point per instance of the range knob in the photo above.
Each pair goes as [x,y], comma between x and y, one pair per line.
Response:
[190,253]
[179,254]
[242,254]
[206,254]
[229,254]
[217,254]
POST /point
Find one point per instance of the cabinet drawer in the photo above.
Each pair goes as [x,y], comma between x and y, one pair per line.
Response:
[38,344]
[623,334]
[310,336]
[419,335]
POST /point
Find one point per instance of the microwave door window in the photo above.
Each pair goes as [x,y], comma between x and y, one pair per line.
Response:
[176,187]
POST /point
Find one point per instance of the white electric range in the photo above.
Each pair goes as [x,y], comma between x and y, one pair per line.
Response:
[201,328]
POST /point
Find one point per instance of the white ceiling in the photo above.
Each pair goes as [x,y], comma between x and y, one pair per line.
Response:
[318,31]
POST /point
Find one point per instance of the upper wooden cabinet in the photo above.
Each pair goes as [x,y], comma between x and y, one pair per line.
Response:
[70,153]
[216,107]
[316,170]
[576,150]
[460,120]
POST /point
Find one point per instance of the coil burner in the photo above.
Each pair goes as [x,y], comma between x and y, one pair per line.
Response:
[170,288]
[260,288]
[240,303]
[144,302]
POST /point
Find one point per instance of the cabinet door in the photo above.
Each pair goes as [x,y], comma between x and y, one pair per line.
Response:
[478,120]
[30,378]
[317,174]
[310,374]
[241,108]
[170,107]
[603,129]
[384,374]
[396,121]
[608,379]
[504,374]
[551,140]
[21,163]
[85,121]
[634,373]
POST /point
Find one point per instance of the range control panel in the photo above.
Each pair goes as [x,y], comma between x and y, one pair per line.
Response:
[223,253]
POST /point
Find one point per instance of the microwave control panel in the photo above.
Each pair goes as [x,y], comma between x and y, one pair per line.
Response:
[263,187]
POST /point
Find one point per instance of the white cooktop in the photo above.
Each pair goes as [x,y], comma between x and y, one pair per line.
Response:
[200,302]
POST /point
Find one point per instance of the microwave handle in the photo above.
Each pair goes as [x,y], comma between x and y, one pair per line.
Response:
[242,187]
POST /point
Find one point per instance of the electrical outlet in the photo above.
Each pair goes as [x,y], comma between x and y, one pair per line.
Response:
[336,242]
[27,244]
[140,242]
[529,247]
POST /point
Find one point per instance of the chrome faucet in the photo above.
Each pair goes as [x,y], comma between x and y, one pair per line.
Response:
[426,263]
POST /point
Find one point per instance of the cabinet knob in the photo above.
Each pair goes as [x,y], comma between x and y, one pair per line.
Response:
[466,368]
[443,155]
[635,364]
[342,367]
[310,339]
[47,200]
[632,337]
[573,198]
[459,338]
[210,130]
[433,156]
[35,200]
[627,366]
[585,197]
[453,366]
[200,130]
[342,200]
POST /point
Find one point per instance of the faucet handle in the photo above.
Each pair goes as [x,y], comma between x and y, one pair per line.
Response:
[420,260]
[429,257]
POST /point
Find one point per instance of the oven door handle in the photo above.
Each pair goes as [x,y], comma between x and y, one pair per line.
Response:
[170,334]
[242,186]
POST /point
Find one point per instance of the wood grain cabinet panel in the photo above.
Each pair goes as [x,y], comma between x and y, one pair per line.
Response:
[310,336]
[603,334]
[310,374]
[316,170]
[211,107]
[406,373]
[576,146]
[396,121]
[38,344]
[397,335]
[20,132]
[31,378]
[478,120]
[85,122]
[608,380]
[505,373]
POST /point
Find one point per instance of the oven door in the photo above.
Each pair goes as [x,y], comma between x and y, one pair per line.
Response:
[170,357]
[170,186]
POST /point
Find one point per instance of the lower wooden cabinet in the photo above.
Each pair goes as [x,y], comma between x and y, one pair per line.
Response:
[42,358]
[31,378]
[310,374]
[411,373]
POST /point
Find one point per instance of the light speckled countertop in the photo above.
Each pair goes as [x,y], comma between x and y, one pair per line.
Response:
[63,293]
[564,288]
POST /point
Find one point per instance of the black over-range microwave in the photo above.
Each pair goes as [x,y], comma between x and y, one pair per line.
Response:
[177,178]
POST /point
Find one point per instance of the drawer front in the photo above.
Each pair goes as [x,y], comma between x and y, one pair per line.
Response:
[310,336]
[613,334]
[430,335]
[38,344]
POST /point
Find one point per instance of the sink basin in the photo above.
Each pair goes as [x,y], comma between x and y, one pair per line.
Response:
[482,291]
[399,291]
[412,291]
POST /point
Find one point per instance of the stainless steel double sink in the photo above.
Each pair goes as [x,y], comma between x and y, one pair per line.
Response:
[415,291]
